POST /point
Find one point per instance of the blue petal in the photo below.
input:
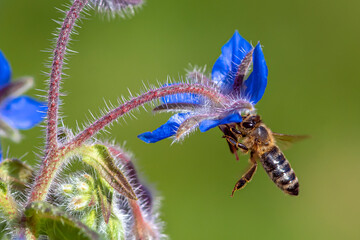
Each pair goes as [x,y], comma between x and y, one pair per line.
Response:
[23,112]
[182,98]
[208,124]
[5,71]
[257,81]
[164,131]
[226,66]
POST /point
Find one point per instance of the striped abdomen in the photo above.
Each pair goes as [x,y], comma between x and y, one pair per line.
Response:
[280,171]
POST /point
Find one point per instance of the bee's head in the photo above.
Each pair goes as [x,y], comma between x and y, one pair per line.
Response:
[250,122]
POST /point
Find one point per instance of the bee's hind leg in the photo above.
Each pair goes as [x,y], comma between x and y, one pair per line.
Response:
[247,176]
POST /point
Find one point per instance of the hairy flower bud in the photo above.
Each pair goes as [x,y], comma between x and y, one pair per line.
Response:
[67,188]
[82,187]
[78,192]
[143,219]
[79,202]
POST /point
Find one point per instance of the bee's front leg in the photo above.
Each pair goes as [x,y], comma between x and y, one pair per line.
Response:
[236,131]
[237,144]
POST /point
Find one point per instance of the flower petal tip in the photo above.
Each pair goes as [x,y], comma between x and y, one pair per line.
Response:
[5,70]
[166,130]
[23,112]
[147,137]
[257,81]
[226,66]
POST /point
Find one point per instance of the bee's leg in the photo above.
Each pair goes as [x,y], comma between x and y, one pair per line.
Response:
[235,131]
[247,176]
[226,130]
[236,144]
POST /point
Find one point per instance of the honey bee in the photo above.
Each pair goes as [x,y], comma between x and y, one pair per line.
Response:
[260,141]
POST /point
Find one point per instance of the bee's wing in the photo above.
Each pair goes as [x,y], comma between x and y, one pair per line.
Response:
[286,140]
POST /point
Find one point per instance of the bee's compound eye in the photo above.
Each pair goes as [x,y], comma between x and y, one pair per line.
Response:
[248,124]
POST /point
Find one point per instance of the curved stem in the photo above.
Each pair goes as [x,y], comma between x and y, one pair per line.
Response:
[46,173]
[53,161]
[56,71]
[151,95]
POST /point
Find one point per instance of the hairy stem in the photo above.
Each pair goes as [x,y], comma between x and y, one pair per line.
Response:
[142,99]
[53,161]
[47,173]
[52,152]
[56,71]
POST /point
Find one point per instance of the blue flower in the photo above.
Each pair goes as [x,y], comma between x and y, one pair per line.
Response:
[230,76]
[16,111]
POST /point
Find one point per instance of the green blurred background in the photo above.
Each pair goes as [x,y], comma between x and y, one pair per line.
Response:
[312,51]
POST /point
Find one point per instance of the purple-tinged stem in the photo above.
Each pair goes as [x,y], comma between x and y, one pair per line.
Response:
[47,172]
[56,71]
[54,159]
[142,229]
[151,95]
[52,152]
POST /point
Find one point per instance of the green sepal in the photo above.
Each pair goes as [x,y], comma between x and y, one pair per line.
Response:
[114,229]
[91,219]
[9,132]
[105,198]
[8,206]
[16,173]
[45,219]
[102,161]
[4,231]
[98,197]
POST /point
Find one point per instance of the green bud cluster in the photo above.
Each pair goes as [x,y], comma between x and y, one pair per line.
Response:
[79,194]
[90,197]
